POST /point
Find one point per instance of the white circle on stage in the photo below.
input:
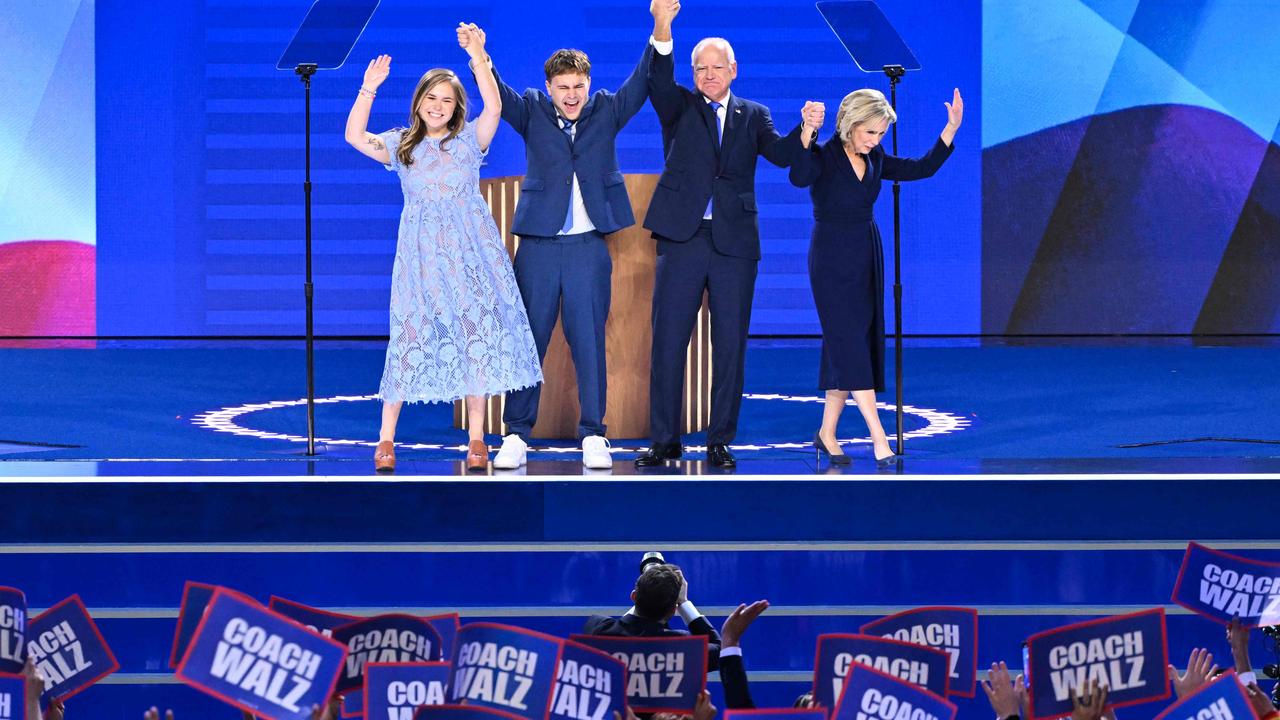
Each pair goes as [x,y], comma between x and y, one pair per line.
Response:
[225,420]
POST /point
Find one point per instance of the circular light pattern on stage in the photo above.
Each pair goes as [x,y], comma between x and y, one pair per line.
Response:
[225,420]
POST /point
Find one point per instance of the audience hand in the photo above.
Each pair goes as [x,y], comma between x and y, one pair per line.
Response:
[738,622]
[1200,668]
[1005,694]
[1089,702]
[1259,700]
[1238,638]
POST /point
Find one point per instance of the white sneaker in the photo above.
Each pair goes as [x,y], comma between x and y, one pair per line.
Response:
[512,453]
[595,453]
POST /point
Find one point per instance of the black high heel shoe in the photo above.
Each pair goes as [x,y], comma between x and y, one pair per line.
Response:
[821,447]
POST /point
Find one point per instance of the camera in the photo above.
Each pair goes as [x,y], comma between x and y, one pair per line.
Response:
[651,558]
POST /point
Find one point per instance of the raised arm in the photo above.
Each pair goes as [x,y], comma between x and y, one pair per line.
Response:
[667,99]
[904,169]
[812,115]
[357,134]
[781,150]
[631,96]
[471,39]
[806,165]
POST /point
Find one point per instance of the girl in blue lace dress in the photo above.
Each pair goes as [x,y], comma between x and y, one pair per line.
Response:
[458,326]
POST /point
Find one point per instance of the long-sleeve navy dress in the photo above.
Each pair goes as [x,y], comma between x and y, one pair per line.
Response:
[846,260]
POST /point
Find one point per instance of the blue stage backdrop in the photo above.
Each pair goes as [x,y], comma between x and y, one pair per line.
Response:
[1118,170]
[1131,173]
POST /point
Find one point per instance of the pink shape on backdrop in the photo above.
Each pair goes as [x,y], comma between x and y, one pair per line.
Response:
[48,287]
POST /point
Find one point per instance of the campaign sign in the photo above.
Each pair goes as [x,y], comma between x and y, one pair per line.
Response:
[1221,586]
[505,667]
[13,697]
[591,685]
[837,652]
[1222,699]
[260,661]
[321,621]
[384,638]
[393,691]
[777,714]
[13,630]
[195,597]
[1126,653]
[953,630]
[664,674]
[869,694]
[461,712]
[447,625]
[68,649]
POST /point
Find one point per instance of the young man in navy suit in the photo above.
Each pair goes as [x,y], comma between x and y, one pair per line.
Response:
[572,196]
[704,217]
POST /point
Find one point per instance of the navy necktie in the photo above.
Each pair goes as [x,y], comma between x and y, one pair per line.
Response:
[715,109]
[567,127]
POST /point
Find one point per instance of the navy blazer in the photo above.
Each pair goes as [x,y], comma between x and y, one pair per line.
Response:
[552,159]
[697,169]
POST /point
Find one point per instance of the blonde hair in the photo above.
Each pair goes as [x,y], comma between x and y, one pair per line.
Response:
[861,107]
[417,128]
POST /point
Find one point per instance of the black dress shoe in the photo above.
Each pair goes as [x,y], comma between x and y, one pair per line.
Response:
[659,453]
[719,456]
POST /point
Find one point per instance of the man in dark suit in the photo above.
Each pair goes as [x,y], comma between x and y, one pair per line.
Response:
[572,196]
[661,591]
[704,217]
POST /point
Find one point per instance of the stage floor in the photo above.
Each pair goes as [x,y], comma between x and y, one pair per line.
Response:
[1083,408]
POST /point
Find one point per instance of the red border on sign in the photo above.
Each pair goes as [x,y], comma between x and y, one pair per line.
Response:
[845,688]
[22,701]
[606,639]
[1224,676]
[1164,662]
[364,687]
[277,600]
[973,686]
[1186,556]
[182,606]
[817,653]
[115,665]
[499,714]
[555,674]
[218,594]
[605,656]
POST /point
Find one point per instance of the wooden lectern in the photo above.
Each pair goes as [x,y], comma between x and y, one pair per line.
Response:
[628,334]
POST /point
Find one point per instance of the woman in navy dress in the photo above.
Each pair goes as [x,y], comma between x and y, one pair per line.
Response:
[846,262]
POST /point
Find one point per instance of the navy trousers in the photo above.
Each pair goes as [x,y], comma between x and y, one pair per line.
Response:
[568,276]
[684,270]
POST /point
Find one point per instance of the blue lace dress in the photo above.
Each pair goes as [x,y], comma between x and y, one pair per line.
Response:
[458,325]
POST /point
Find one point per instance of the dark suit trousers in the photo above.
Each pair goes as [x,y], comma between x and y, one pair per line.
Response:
[577,270]
[684,270]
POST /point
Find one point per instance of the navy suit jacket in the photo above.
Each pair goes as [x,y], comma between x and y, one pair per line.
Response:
[697,169]
[552,159]
[635,626]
